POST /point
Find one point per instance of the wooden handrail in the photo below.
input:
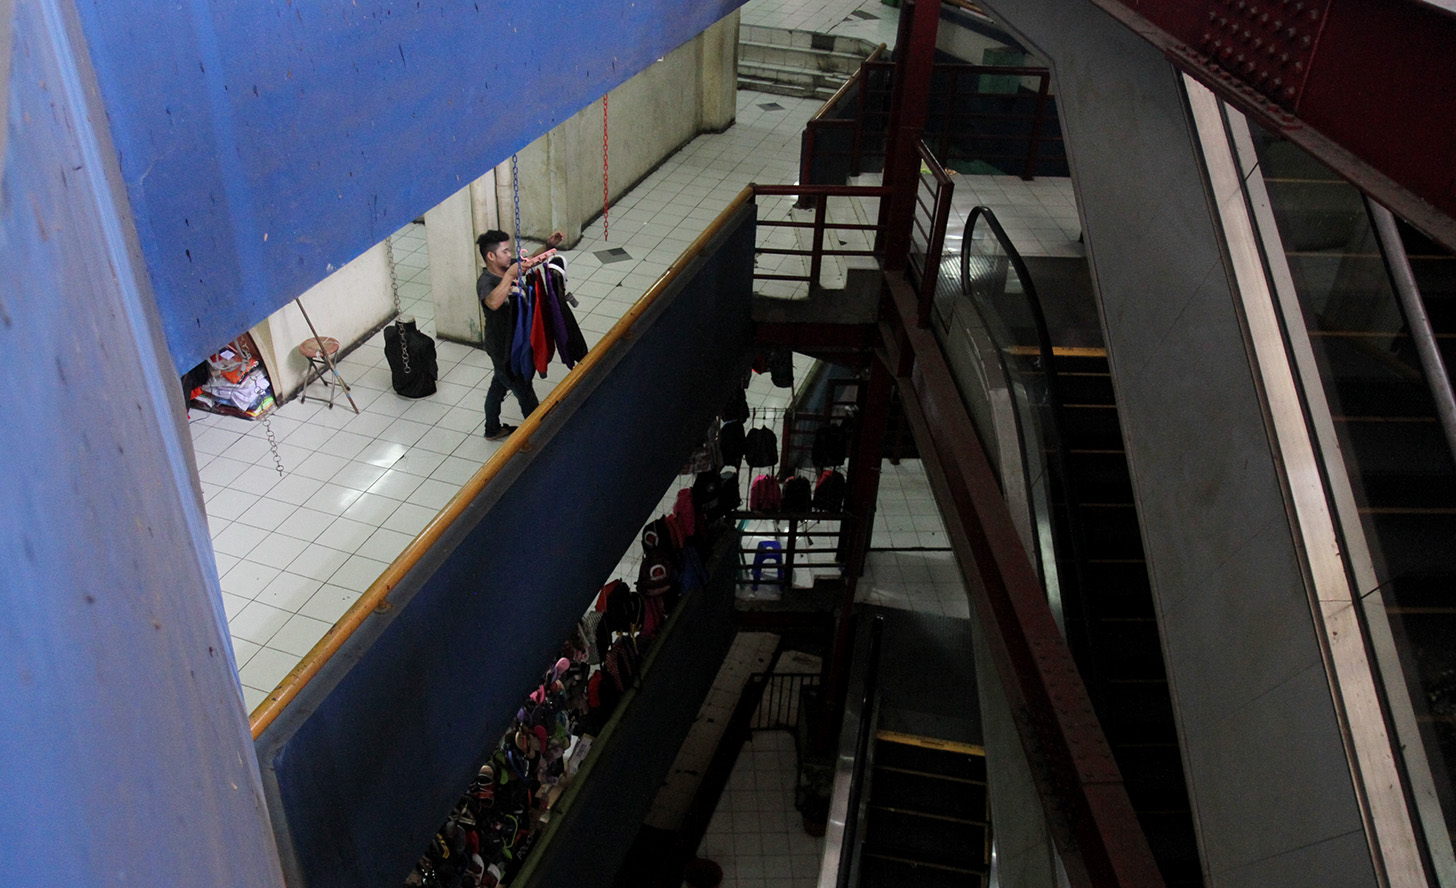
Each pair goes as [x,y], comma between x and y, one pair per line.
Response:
[844,87]
[374,597]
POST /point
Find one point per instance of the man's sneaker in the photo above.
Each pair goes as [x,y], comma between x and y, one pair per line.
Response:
[501,434]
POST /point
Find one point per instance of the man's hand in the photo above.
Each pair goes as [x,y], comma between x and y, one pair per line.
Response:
[555,239]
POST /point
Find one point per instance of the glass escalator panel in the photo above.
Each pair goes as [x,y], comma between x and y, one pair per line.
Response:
[1400,467]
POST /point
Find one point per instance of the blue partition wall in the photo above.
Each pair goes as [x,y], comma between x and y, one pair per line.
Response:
[367,762]
[265,144]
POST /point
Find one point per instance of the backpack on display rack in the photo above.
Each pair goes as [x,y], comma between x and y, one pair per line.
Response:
[829,491]
[764,495]
[736,410]
[761,448]
[730,443]
[729,498]
[831,445]
[797,495]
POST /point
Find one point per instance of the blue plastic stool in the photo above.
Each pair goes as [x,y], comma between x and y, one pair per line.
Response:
[770,553]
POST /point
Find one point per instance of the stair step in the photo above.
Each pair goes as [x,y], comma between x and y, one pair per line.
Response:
[842,63]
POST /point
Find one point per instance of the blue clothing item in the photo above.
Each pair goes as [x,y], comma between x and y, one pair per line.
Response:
[520,386]
[522,359]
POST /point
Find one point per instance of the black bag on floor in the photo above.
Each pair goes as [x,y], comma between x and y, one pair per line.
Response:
[404,338]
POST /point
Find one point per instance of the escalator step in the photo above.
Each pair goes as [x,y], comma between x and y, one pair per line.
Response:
[1091,427]
[907,791]
[878,870]
[1412,543]
[930,755]
[931,840]
[1100,477]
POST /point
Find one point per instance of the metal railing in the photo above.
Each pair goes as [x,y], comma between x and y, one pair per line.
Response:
[780,697]
[847,128]
[820,195]
[933,192]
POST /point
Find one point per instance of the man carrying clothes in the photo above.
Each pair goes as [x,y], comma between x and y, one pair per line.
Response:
[494,289]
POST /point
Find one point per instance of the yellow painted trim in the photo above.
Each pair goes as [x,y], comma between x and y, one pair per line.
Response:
[930,743]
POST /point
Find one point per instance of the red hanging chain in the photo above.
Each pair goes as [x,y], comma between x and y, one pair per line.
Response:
[605,192]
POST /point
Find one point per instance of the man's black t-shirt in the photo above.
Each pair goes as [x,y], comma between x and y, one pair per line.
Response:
[497,323]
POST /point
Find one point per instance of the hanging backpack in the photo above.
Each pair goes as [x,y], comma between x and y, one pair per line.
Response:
[736,410]
[797,495]
[829,491]
[830,445]
[728,496]
[730,443]
[761,448]
[656,537]
[708,495]
[764,495]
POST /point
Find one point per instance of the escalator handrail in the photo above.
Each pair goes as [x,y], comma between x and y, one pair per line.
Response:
[1055,402]
[1403,280]
[849,849]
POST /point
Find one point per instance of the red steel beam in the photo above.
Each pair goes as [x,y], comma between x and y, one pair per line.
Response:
[1367,86]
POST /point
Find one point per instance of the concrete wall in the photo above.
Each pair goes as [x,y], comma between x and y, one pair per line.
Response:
[691,90]
[347,305]
[126,757]
[1268,776]
[263,145]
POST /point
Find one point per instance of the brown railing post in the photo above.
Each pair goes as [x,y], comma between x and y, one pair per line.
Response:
[857,143]
[1036,121]
[806,161]
[914,58]
[816,257]
[935,241]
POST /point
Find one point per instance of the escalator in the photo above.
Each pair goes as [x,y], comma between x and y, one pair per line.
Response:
[1384,416]
[928,817]
[1097,575]
[1113,625]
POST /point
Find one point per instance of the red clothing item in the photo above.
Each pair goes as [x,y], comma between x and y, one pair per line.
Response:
[540,342]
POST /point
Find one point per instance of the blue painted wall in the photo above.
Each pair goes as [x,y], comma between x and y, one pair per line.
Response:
[367,761]
[265,143]
[125,755]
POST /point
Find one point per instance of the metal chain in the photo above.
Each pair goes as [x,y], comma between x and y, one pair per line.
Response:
[394,288]
[267,417]
[516,192]
[605,192]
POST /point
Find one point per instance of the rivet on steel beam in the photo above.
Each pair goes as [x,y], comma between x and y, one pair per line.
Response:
[1306,40]
[1298,67]
[1289,91]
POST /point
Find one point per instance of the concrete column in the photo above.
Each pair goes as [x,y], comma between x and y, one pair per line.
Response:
[718,75]
[127,755]
[450,237]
